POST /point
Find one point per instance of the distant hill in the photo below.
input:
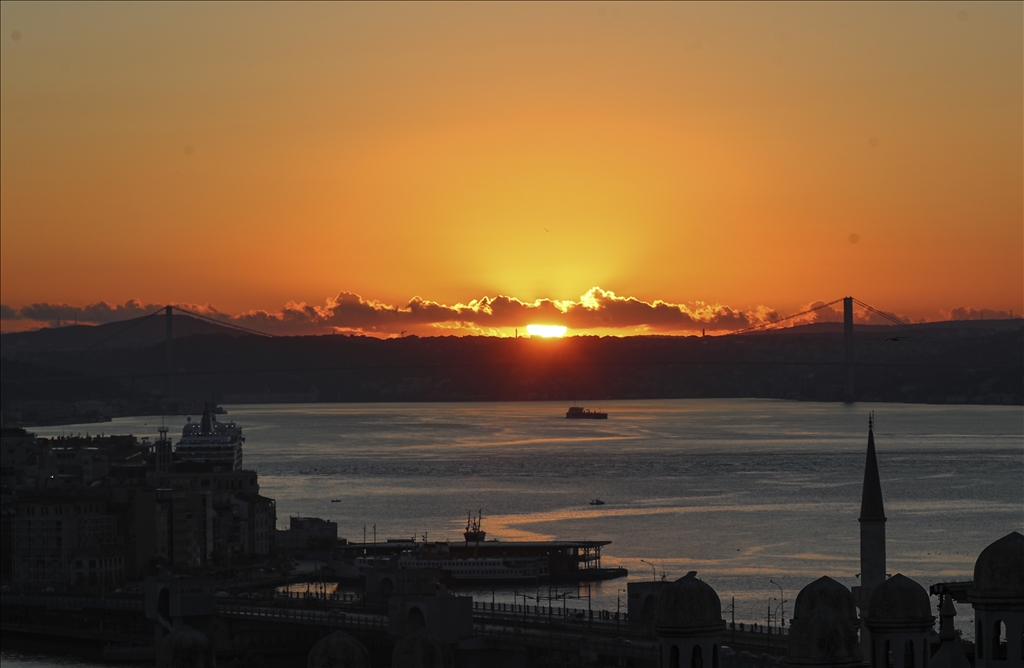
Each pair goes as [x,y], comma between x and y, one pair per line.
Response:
[133,333]
[979,362]
[926,328]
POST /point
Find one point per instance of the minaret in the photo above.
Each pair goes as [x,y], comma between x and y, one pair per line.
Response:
[872,537]
[163,452]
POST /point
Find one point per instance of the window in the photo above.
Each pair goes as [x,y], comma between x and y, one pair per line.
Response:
[999,640]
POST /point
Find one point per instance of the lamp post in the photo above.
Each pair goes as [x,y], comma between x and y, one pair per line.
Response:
[654,573]
[782,604]
[618,609]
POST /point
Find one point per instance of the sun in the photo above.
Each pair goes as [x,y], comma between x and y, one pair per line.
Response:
[546,331]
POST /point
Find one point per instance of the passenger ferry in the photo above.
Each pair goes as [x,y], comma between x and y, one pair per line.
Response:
[581,413]
[480,561]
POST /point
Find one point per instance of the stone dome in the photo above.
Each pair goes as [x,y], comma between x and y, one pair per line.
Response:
[899,601]
[825,592]
[184,647]
[689,604]
[823,636]
[420,650]
[999,570]
[338,650]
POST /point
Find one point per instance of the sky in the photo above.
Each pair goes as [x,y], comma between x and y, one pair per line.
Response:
[458,168]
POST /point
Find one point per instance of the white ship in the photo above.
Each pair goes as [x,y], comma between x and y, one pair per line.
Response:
[211,442]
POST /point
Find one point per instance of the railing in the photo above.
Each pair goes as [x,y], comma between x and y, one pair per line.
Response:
[483,608]
[337,596]
[337,618]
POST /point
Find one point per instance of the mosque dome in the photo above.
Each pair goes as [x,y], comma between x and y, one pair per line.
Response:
[999,570]
[824,637]
[824,628]
[420,650]
[689,604]
[185,647]
[899,602]
[825,592]
[338,650]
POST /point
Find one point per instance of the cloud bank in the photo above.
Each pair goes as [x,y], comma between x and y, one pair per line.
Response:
[597,310]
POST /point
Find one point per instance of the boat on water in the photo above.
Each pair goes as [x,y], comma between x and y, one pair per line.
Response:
[478,561]
[211,442]
[597,502]
[581,413]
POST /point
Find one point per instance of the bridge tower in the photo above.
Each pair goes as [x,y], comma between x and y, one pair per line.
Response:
[169,345]
[848,395]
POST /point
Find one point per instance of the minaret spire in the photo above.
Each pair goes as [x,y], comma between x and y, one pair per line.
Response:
[872,536]
[871,506]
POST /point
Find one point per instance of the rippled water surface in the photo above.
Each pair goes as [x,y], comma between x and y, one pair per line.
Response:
[741,491]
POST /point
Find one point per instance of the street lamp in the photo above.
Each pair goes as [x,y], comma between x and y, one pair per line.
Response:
[618,609]
[782,598]
[654,573]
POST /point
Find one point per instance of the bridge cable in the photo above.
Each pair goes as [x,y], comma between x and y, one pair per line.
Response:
[122,331]
[222,323]
[781,320]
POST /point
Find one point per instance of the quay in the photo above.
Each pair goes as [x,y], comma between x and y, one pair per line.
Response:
[290,624]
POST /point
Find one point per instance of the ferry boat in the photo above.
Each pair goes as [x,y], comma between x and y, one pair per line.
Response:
[479,561]
[581,413]
[211,441]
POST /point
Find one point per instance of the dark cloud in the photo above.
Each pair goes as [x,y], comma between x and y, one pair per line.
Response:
[93,314]
[971,313]
[597,310]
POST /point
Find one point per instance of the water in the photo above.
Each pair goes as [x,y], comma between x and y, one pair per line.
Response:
[742,491]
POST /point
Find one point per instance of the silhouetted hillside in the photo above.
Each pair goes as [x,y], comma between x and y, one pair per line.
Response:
[134,333]
[973,363]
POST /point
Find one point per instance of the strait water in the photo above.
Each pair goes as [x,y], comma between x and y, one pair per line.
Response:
[742,491]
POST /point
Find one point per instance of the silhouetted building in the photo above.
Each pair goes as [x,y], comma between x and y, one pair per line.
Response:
[307,533]
[900,624]
[824,627]
[688,624]
[998,600]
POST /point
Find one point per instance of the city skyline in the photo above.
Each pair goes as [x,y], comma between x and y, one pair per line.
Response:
[473,169]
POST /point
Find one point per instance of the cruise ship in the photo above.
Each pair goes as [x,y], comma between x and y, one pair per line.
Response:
[211,442]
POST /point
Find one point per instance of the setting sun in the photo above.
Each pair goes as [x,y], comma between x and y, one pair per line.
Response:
[546,331]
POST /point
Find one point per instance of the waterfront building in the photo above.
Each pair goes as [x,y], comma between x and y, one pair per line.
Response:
[16,445]
[87,511]
[307,533]
[65,538]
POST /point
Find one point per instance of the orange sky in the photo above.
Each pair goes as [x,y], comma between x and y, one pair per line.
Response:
[249,155]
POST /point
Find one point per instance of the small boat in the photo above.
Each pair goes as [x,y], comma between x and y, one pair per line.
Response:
[335,500]
[581,413]
[597,502]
